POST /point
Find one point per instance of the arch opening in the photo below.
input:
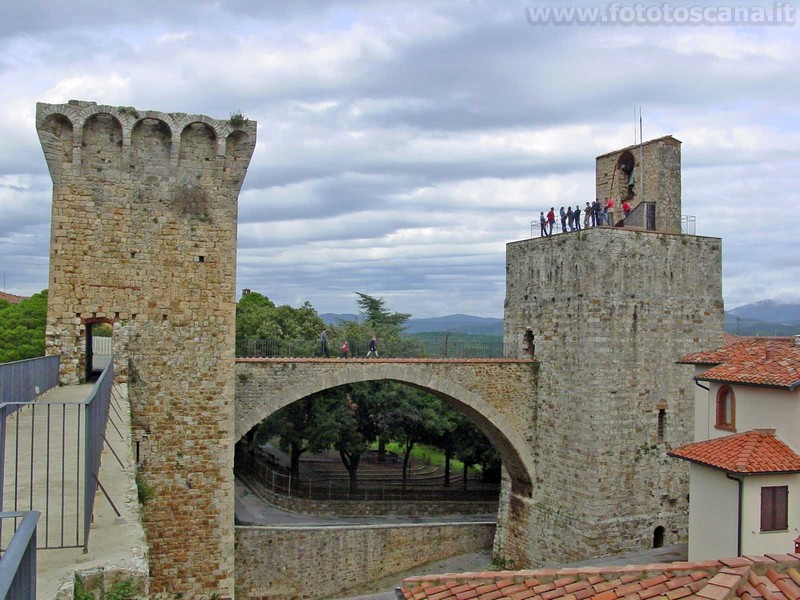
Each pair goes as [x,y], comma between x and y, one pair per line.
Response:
[99,347]
[658,537]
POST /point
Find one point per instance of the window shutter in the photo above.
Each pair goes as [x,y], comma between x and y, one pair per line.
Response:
[775,508]
[766,509]
[782,507]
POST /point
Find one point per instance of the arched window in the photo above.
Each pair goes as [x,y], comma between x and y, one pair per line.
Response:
[726,409]
[662,424]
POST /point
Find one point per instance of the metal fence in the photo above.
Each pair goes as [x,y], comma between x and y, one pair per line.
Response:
[278,481]
[50,461]
[23,380]
[439,347]
[18,564]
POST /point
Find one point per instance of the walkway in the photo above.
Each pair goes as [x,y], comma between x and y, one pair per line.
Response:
[114,542]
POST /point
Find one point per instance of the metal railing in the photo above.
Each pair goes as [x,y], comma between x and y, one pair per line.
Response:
[688,224]
[440,347]
[50,461]
[23,380]
[278,481]
[18,564]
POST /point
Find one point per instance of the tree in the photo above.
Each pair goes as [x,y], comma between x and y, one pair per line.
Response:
[22,327]
[257,317]
[471,446]
[414,416]
[302,426]
[350,410]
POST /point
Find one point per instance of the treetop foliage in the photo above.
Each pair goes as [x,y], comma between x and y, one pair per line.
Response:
[22,328]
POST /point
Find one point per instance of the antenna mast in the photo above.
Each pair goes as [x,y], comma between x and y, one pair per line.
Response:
[641,158]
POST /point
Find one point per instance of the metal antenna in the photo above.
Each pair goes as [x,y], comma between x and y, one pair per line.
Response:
[641,158]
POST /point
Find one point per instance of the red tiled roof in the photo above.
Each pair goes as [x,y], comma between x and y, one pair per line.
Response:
[11,298]
[772,577]
[757,451]
[773,362]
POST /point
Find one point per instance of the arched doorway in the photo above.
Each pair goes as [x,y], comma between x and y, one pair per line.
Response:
[99,347]
[658,537]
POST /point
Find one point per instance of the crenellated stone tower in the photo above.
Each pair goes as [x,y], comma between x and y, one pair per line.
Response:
[144,238]
[608,312]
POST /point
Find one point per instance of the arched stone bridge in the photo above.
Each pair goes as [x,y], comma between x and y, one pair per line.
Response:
[494,393]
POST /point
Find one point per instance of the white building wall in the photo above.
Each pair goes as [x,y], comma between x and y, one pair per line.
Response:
[770,542]
[756,408]
[713,514]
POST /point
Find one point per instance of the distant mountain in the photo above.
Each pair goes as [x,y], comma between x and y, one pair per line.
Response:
[770,311]
[453,323]
[767,317]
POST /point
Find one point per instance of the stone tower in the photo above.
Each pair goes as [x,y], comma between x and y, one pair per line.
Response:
[608,312]
[144,238]
[648,172]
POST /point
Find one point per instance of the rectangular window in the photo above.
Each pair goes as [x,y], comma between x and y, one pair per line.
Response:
[775,508]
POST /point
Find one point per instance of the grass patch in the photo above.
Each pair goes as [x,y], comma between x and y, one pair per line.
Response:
[429,455]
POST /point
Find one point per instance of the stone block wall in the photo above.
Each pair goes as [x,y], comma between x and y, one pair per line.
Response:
[607,313]
[283,563]
[143,236]
[660,162]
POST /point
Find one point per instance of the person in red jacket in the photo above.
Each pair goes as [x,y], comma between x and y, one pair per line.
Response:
[551,220]
[626,208]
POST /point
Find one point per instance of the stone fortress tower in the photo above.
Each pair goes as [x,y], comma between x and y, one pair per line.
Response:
[144,238]
[607,312]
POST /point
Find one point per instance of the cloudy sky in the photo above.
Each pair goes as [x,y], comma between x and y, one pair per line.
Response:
[402,144]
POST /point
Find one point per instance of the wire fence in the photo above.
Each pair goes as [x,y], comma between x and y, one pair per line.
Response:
[277,480]
[439,347]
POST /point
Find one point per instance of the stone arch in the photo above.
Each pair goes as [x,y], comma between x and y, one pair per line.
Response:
[198,147]
[151,149]
[57,137]
[492,423]
[101,147]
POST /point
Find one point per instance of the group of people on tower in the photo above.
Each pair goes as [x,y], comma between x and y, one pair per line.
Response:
[595,214]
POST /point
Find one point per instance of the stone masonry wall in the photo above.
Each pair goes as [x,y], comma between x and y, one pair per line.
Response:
[282,563]
[610,311]
[144,236]
[662,180]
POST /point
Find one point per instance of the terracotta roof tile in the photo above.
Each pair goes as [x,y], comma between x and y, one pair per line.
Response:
[757,451]
[772,577]
[11,298]
[773,362]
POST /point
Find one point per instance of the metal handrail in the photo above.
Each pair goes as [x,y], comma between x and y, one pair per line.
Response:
[18,564]
[89,424]
[23,380]
[442,347]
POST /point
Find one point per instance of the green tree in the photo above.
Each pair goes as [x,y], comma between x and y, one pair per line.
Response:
[257,317]
[22,327]
[302,426]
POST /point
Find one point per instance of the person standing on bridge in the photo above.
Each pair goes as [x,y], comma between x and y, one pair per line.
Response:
[373,347]
[323,338]
[345,349]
